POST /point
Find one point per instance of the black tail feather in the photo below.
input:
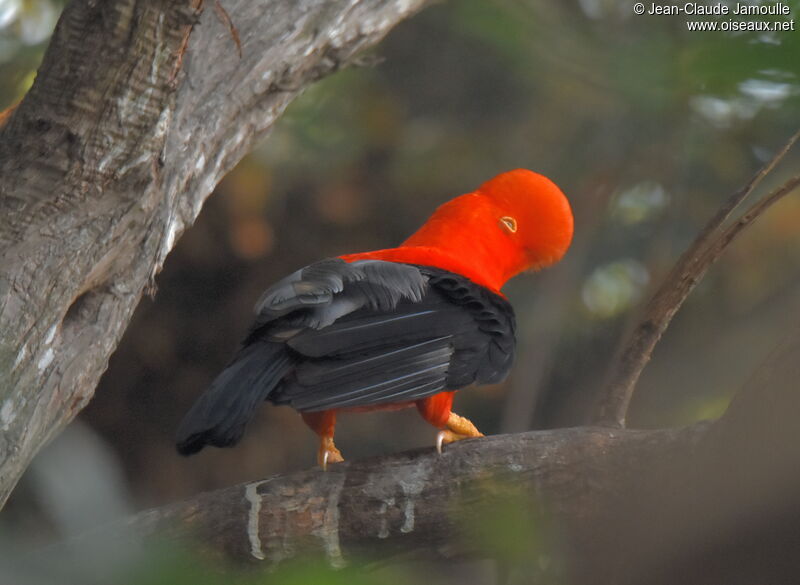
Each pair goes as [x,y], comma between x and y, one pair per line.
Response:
[222,412]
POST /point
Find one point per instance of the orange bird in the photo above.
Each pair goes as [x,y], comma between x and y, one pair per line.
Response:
[392,328]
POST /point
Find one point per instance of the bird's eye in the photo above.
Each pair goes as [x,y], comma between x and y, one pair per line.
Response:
[509,223]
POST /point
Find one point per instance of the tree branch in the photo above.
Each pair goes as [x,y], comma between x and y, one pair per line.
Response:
[417,502]
[690,268]
[629,506]
[110,156]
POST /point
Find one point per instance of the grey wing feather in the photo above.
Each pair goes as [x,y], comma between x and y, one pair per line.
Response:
[313,285]
[325,291]
[386,283]
[405,373]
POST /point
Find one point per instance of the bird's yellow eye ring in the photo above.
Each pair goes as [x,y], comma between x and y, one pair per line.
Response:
[509,223]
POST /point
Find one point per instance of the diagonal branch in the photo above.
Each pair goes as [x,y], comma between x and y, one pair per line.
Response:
[690,268]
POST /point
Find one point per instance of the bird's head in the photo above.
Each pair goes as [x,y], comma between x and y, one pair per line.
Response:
[532,212]
[515,222]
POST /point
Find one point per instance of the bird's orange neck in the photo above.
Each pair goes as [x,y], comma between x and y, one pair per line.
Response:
[456,239]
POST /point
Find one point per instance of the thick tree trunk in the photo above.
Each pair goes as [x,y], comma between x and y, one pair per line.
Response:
[109,158]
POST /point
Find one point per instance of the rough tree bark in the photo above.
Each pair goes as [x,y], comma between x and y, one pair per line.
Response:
[419,502]
[139,109]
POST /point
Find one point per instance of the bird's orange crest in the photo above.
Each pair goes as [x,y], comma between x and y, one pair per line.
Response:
[517,221]
[534,212]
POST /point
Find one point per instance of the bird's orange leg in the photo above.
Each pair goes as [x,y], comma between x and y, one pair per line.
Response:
[324,424]
[436,410]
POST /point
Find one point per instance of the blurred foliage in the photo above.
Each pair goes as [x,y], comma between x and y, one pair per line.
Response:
[25,28]
[510,532]
[614,287]
[646,126]
[514,530]
[168,563]
[167,566]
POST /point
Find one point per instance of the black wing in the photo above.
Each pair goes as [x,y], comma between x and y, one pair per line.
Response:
[337,335]
[308,300]
[453,334]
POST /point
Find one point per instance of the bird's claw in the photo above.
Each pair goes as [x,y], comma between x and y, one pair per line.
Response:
[328,453]
[446,437]
[458,428]
[439,441]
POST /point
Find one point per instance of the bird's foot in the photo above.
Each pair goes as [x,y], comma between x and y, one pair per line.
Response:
[328,453]
[445,438]
[458,428]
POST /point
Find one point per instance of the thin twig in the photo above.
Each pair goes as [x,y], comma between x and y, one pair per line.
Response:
[725,211]
[223,15]
[681,280]
[756,210]
[197,7]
